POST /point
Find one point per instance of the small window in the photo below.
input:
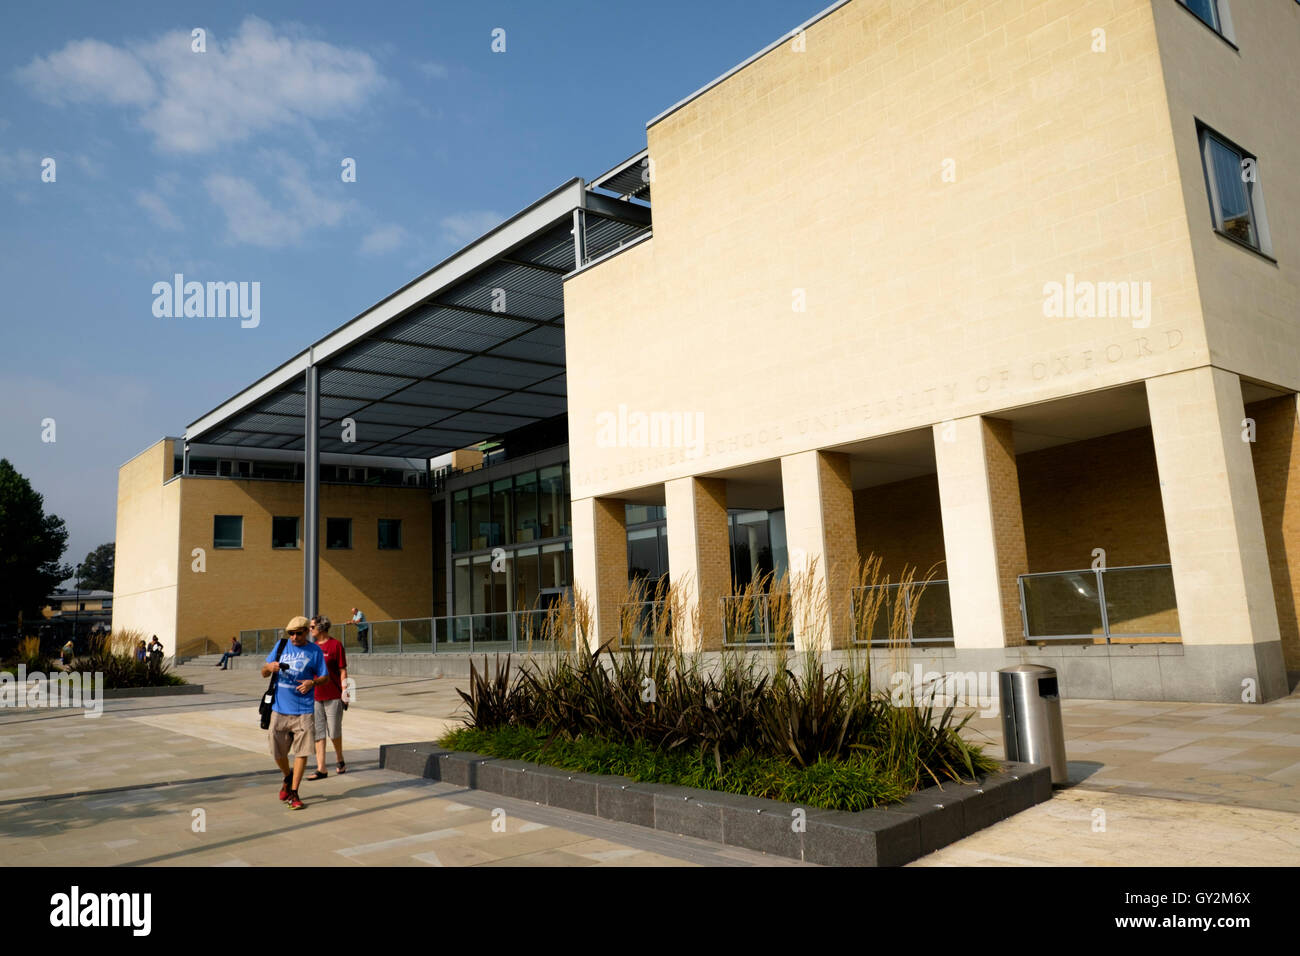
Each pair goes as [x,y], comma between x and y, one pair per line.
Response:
[1215,15]
[1236,202]
[338,534]
[1207,11]
[284,532]
[390,534]
[227,531]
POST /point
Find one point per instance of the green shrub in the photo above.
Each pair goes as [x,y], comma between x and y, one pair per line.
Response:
[824,734]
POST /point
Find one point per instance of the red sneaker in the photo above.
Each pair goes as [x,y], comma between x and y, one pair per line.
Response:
[284,789]
[294,802]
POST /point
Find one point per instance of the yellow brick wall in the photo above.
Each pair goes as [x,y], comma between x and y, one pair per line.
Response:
[259,586]
[821,175]
[1276,458]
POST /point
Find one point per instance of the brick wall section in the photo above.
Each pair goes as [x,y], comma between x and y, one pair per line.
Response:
[260,586]
[609,536]
[901,524]
[713,547]
[1276,456]
[1008,522]
[1099,493]
[839,531]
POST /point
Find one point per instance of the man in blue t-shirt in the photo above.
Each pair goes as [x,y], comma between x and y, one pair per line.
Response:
[301,666]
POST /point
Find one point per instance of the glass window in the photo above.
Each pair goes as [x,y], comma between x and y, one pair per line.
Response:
[284,532]
[554,572]
[503,582]
[643,554]
[462,599]
[526,507]
[552,505]
[503,521]
[480,517]
[227,531]
[390,534]
[1206,10]
[460,521]
[1231,176]
[481,584]
[338,534]
[526,578]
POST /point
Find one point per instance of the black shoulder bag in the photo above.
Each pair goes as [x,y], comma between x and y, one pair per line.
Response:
[268,699]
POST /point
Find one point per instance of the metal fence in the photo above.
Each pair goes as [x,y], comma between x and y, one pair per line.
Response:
[643,623]
[1111,603]
[926,614]
[507,631]
[747,620]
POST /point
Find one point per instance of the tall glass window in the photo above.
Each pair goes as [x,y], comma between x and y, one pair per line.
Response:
[527,581]
[526,528]
[1231,177]
[553,502]
[503,522]
[554,570]
[464,600]
[480,517]
[460,520]
[482,584]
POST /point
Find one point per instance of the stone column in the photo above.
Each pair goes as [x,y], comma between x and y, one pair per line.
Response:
[1226,611]
[983,530]
[600,563]
[699,557]
[823,546]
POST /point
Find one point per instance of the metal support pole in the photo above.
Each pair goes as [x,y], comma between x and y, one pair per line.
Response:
[311,495]
[1101,599]
[579,239]
[185,458]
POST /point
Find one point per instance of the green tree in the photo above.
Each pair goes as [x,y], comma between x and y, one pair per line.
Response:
[97,569]
[31,546]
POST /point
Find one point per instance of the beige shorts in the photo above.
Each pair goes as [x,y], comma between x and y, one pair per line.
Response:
[329,719]
[292,735]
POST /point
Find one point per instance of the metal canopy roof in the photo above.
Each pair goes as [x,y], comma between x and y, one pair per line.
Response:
[628,179]
[470,350]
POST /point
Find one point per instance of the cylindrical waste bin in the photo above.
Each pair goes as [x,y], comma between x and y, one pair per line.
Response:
[1031,717]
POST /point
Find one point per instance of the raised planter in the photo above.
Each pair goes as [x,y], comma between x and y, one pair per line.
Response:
[886,836]
[171,690]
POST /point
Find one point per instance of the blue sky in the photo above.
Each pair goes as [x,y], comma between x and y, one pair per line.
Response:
[225,166]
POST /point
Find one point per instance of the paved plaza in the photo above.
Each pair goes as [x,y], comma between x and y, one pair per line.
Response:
[1154,784]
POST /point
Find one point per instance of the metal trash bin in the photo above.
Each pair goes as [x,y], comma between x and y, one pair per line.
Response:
[1032,731]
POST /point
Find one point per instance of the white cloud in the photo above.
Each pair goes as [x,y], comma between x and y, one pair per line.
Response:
[253,218]
[158,211]
[434,71]
[88,71]
[384,239]
[196,102]
[465,227]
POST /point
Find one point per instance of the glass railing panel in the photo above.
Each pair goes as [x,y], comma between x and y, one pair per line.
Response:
[1140,601]
[417,635]
[1062,604]
[932,615]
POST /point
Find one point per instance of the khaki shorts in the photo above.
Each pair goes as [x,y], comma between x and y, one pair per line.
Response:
[292,735]
[329,719]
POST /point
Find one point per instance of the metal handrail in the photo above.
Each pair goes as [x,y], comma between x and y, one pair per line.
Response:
[769,638]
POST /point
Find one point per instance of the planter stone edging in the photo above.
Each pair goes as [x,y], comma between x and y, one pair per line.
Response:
[885,836]
[171,690]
